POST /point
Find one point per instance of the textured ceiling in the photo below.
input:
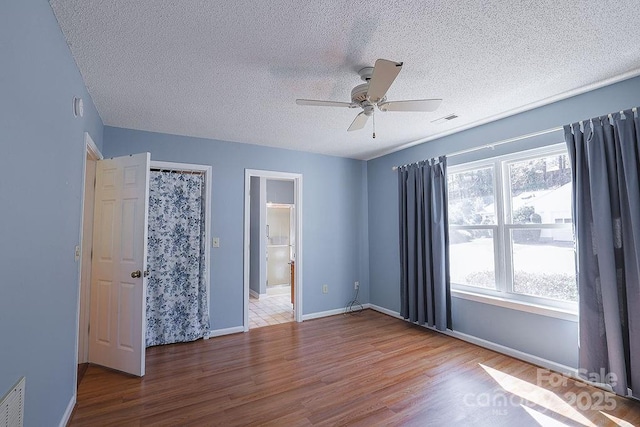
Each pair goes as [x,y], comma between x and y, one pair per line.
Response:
[231,70]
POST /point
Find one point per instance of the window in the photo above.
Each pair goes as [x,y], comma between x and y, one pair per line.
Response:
[510,228]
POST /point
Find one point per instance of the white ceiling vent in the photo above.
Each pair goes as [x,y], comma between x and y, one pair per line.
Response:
[445,118]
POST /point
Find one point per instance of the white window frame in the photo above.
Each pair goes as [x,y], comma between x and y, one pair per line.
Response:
[503,295]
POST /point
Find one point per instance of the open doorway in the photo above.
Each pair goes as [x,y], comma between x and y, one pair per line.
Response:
[273,248]
[92,155]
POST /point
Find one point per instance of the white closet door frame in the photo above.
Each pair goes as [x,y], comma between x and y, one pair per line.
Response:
[207,170]
[92,151]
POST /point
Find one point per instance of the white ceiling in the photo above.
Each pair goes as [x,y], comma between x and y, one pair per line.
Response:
[231,70]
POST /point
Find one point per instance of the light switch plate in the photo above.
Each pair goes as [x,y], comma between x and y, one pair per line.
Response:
[77,253]
[215,242]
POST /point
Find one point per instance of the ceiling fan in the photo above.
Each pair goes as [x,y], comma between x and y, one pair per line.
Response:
[372,94]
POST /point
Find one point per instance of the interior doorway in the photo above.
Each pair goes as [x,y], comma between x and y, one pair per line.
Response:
[92,155]
[273,248]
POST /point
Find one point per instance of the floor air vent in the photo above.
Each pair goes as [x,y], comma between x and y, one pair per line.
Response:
[12,406]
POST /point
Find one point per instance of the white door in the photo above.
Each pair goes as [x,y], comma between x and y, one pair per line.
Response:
[118,282]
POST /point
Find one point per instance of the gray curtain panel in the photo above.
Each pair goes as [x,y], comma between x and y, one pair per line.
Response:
[424,243]
[606,203]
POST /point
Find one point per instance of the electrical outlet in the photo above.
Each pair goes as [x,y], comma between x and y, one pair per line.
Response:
[356,285]
[325,289]
[77,253]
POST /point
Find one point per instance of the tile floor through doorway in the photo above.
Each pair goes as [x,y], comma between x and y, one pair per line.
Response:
[270,310]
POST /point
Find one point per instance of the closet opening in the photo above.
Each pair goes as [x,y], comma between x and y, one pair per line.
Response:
[178,257]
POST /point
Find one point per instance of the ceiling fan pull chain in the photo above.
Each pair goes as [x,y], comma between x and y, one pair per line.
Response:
[374,123]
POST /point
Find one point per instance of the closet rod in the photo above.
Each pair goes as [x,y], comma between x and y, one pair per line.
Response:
[517,138]
[177,171]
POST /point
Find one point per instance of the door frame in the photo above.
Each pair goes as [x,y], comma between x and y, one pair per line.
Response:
[208,214]
[91,151]
[297,202]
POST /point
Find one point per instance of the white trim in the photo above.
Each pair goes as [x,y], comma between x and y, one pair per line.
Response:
[298,286]
[320,314]
[385,311]
[208,196]
[510,303]
[254,293]
[513,112]
[529,358]
[66,417]
[534,360]
[176,166]
[89,149]
[226,331]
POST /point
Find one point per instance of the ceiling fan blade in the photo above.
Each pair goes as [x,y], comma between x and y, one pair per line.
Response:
[384,73]
[414,105]
[359,122]
[316,103]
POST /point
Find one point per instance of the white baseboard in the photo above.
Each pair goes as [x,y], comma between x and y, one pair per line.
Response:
[327,313]
[385,311]
[535,360]
[66,417]
[254,294]
[320,314]
[226,331]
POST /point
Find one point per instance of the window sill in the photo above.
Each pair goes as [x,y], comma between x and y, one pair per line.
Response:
[557,313]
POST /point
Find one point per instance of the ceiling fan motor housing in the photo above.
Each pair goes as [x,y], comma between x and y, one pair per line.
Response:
[359,93]
[359,96]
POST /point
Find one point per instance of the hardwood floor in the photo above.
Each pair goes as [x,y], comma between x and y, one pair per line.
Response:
[82,369]
[369,369]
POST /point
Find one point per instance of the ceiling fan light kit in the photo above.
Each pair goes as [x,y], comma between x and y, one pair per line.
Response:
[372,94]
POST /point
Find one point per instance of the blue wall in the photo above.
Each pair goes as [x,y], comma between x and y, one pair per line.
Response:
[350,219]
[41,175]
[553,339]
[332,214]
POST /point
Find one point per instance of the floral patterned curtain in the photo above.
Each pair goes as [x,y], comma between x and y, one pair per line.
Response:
[177,309]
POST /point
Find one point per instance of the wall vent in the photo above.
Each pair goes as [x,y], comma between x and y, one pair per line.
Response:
[446,118]
[12,406]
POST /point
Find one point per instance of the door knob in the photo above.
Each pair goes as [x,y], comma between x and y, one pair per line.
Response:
[136,274]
